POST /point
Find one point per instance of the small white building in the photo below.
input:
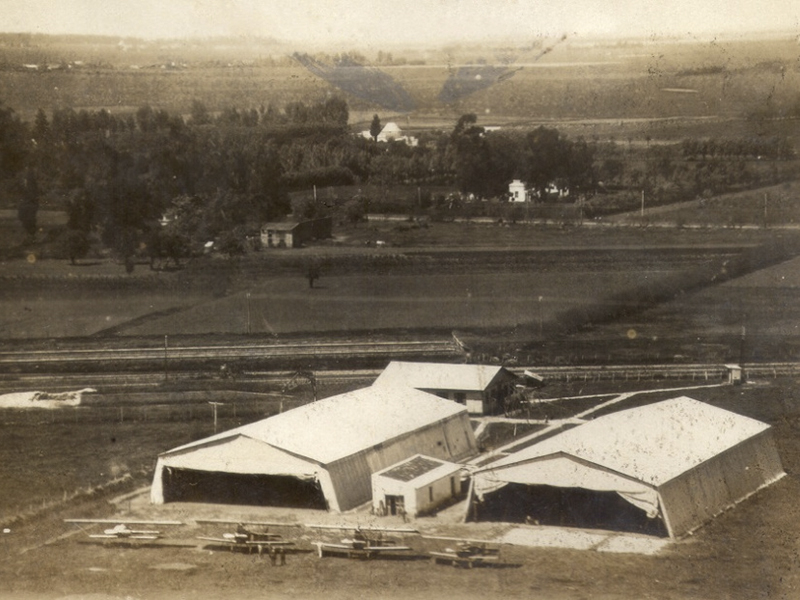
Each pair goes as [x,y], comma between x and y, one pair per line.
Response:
[481,388]
[391,132]
[415,486]
[517,191]
[735,374]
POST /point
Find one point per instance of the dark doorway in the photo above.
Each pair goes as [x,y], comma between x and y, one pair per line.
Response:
[395,505]
[568,507]
[187,485]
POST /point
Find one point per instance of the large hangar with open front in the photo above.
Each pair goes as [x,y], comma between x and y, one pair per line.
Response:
[665,469]
[320,455]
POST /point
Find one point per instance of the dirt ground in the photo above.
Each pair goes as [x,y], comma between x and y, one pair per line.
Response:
[748,552]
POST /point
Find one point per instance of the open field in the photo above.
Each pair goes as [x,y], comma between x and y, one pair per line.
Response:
[708,324]
[573,80]
[750,551]
[520,290]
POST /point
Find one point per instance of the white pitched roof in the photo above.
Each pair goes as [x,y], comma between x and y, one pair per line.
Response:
[653,443]
[438,376]
[342,425]
[391,127]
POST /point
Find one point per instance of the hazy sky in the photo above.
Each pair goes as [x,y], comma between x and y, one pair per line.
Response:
[377,22]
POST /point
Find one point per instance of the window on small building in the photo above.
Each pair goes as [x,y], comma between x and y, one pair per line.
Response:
[430,493]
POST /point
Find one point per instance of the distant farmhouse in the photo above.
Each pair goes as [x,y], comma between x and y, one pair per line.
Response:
[482,388]
[519,192]
[392,133]
[293,234]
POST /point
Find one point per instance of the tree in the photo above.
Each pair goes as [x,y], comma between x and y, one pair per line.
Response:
[200,115]
[354,210]
[375,127]
[41,128]
[29,205]
[75,244]
[312,272]
[80,212]
[13,143]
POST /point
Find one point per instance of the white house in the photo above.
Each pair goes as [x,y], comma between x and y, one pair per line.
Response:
[391,132]
[517,191]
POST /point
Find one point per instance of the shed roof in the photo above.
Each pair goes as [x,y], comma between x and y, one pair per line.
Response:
[279,226]
[419,469]
[653,443]
[439,376]
[343,425]
[412,468]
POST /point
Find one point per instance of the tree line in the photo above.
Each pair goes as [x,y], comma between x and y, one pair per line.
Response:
[168,183]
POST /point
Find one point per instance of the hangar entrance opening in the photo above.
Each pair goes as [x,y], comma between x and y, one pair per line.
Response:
[566,507]
[189,485]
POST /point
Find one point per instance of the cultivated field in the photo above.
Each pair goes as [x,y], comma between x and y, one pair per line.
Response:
[571,81]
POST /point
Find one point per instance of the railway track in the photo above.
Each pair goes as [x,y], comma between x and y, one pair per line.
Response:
[709,371]
[43,358]
[154,380]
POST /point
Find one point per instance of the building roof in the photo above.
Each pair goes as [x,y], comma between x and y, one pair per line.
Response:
[391,128]
[419,469]
[439,376]
[280,226]
[343,425]
[412,468]
[652,444]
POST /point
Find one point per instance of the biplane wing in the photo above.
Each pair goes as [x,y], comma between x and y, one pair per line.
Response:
[111,536]
[256,523]
[120,522]
[122,528]
[245,542]
[371,528]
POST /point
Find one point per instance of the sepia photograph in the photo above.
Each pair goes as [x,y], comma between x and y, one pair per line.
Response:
[463,299]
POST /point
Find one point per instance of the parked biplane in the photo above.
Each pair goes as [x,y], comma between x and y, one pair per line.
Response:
[124,530]
[245,538]
[365,543]
[466,552]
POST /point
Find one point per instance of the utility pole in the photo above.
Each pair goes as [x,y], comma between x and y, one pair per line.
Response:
[540,316]
[248,312]
[214,405]
[642,204]
[766,196]
[166,373]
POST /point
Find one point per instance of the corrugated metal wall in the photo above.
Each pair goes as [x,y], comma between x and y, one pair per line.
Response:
[450,440]
[698,495]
